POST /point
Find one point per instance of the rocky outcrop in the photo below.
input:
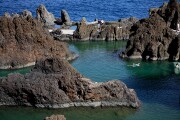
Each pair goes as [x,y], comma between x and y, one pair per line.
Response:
[23,40]
[104,31]
[65,20]
[108,31]
[44,16]
[156,37]
[55,83]
[55,117]
[60,36]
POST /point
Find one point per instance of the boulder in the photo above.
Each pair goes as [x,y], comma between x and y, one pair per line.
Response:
[55,117]
[156,37]
[26,13]
[23,40]
[54,83]
[7,15]
[65,18]
[44,16]
[84,30]
[60,36]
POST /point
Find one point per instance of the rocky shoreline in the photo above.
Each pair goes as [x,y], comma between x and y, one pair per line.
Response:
[156,37]
[54,83]
[95,30]
[24,40]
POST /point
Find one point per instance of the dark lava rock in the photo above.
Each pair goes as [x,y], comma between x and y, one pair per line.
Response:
[156,37]
[57,35]
[55,83]
[23,40]
[104,31]
[65,18]
[44,16]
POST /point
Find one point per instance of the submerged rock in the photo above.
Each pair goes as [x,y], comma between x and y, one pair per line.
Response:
[23,40]
[44,16]
[156,37]
[55,83]
[55,117]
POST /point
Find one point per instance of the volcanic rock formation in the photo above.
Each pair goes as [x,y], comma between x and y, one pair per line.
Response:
[23,40]
[55,83]
[44,16]
[156,37]
[65,20]
[104,31]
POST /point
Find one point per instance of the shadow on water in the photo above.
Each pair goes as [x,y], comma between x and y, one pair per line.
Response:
[79,113]
[156,82]
[108,46]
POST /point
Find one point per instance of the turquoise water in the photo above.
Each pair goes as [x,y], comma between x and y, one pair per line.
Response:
[4,73]
[157,85]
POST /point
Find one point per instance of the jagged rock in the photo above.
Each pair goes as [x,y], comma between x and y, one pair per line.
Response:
[65,17]
[106,31]
[23,40]
[156,37]
[58,35]
[58,21]
[83,30]
[65,20]
[44,16]
[55,117]
[55,83]
[7,15]
[26,13]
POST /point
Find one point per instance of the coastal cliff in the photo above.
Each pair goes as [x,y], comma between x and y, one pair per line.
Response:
[156,37]
[23,40]
[54,83]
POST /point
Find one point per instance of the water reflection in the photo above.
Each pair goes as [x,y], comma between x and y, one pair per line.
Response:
[154,82]
[80,113]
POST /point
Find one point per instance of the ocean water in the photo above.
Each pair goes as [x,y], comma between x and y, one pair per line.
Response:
[157,83]
[91,9]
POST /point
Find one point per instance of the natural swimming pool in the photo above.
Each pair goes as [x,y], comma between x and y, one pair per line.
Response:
[157,85]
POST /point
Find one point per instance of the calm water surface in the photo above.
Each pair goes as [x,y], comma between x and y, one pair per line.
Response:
[157,83]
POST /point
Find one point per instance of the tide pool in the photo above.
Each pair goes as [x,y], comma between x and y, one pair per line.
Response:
[157,85]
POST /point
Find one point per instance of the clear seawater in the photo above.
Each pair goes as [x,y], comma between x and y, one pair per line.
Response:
[157,83]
